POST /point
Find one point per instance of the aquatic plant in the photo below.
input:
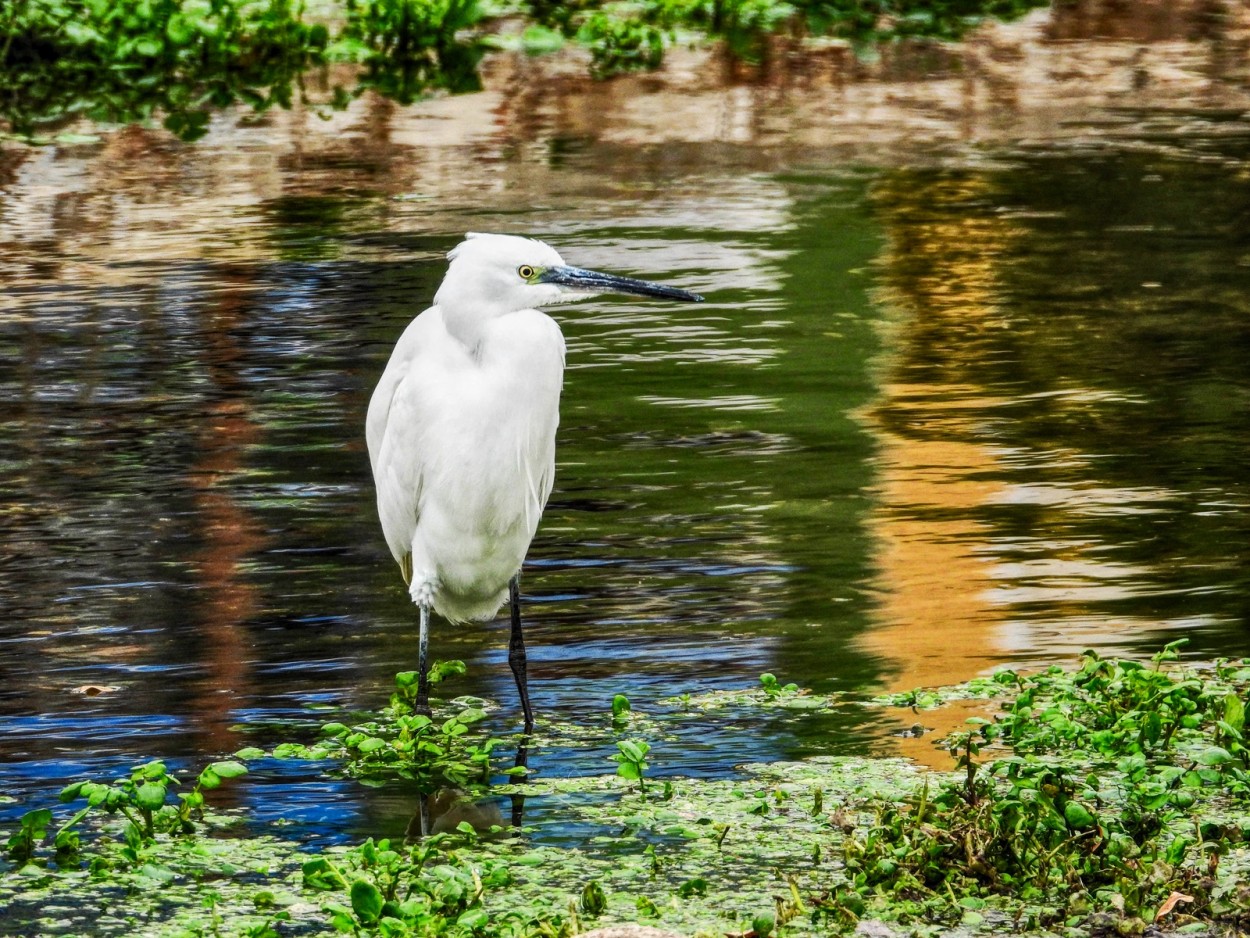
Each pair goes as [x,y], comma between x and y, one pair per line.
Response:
[402,743]
[142,798]
[632,761]
[407,890]
[1111,788]
[1106,795]
[411,46]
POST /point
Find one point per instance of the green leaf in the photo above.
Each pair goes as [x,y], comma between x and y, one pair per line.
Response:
[321,874]
[71,792]
[37,821]
[693,887]
[150,796]
[229,769]
[179,29]
[473,919]
[594,900]
[1153,728]
[441,670]
[406,679]
[1214,755]
[1077,815]
[367,901]
[81,34]
[96,793]
[158,874]
[152,770]
[208,778]
[342,919]
[632,750]
[1234,712]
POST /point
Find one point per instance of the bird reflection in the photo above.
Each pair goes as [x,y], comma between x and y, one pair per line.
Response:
[447,808]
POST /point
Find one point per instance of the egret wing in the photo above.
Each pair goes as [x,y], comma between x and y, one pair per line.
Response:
[394,451]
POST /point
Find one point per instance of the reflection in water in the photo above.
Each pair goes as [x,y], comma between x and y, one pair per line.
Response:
[229,534]
[1037,493]
[445,809]
[448,808]
[937,415]
[935,470]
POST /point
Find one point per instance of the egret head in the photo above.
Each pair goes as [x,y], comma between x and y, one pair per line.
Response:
[493,274]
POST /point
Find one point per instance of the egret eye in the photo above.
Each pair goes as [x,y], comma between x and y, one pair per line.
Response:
[525,271]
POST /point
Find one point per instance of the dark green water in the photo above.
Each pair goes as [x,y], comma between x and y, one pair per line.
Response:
[934,417]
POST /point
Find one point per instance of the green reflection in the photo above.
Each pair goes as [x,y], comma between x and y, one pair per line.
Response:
[723,482]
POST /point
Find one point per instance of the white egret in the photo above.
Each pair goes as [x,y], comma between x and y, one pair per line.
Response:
[461,430]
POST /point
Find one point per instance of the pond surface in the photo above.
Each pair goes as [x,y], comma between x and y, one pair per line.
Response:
[946,409]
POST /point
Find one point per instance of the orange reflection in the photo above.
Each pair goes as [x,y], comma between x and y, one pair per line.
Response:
[937,622]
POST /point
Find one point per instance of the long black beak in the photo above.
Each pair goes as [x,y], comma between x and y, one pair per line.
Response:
[592,281]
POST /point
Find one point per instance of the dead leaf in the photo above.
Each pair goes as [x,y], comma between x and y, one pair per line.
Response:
[1170,904]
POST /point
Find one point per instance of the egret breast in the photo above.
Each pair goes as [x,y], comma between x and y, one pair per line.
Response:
[484,459]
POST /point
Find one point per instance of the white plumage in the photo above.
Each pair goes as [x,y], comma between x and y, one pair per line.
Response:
[462,430]
[461,427]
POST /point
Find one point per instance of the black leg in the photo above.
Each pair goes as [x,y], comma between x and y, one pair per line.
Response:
[518,800]
[516,651]
[423,664]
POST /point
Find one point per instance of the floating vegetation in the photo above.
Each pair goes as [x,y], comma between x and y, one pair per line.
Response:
[770,694]
[1112,795]
[930,698]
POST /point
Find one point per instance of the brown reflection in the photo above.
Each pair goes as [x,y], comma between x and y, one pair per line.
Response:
[228,533]
[1140,20]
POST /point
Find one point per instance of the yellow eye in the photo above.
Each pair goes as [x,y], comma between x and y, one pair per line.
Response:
[525,271]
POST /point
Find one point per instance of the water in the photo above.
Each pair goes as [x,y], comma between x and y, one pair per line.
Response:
[945,409]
